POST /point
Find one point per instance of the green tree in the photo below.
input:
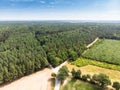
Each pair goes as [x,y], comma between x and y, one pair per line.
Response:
[101,79]
[78,74]
[13,72]
[73,73]
[6,75]
[72,55]
[116,85]
[1,74]
[84,77]
[62,73]
[104,79]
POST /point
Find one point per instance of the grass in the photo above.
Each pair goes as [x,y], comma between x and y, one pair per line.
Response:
[105,50]
[79,85]
[89,67]
[83,62]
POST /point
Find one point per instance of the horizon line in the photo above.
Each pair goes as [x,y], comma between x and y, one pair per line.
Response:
[58,20]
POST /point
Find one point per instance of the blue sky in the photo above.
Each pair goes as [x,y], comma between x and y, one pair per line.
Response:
[59,9]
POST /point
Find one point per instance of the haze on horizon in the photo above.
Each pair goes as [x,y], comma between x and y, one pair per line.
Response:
[59,10]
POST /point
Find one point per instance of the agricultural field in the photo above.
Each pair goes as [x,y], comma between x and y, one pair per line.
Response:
[79,85]
[105,50]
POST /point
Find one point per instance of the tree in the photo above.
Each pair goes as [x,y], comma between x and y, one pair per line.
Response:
[6,75]
[101,79]
[104,79]
[94,79]
[13,72]
[62,73]
[88,76]
[52,60]
[84,77]
[73,73]
[116,85]
[72,55]
[77,74]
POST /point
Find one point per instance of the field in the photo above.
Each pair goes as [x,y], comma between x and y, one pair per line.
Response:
[92,69]
[105,50]
[79,85]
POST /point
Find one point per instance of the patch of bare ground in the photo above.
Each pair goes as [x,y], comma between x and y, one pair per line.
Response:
[40,80]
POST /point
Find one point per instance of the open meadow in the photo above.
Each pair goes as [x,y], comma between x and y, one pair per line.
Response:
[92,69]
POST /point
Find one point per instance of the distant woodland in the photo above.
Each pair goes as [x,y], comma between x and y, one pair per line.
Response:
[28,47]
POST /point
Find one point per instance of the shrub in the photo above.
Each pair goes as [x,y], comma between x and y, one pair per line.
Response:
[116,85]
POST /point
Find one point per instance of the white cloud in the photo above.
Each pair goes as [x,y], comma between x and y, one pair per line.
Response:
[43,2]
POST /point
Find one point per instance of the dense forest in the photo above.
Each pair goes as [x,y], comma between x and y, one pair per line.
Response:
[28,47]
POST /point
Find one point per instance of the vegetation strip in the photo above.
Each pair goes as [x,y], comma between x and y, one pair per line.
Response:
[83,62]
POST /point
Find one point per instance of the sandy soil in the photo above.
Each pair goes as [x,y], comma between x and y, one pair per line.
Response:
[37,81]
[40,80]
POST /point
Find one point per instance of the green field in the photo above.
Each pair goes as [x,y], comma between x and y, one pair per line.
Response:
[79,85]
[105,50]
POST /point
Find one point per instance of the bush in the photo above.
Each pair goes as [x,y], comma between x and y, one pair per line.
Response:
[84,77]
[101,79]
[53,75]
[116,85]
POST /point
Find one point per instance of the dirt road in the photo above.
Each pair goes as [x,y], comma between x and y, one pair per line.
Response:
[89,45]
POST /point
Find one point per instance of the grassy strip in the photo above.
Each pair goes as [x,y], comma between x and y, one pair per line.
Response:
[83,62]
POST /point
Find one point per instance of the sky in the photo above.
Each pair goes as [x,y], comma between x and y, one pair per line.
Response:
[59,10]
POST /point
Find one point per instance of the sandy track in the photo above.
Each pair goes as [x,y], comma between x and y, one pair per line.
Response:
[36,81]
[89,45]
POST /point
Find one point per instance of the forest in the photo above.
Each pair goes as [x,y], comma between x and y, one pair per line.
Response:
[28,47]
